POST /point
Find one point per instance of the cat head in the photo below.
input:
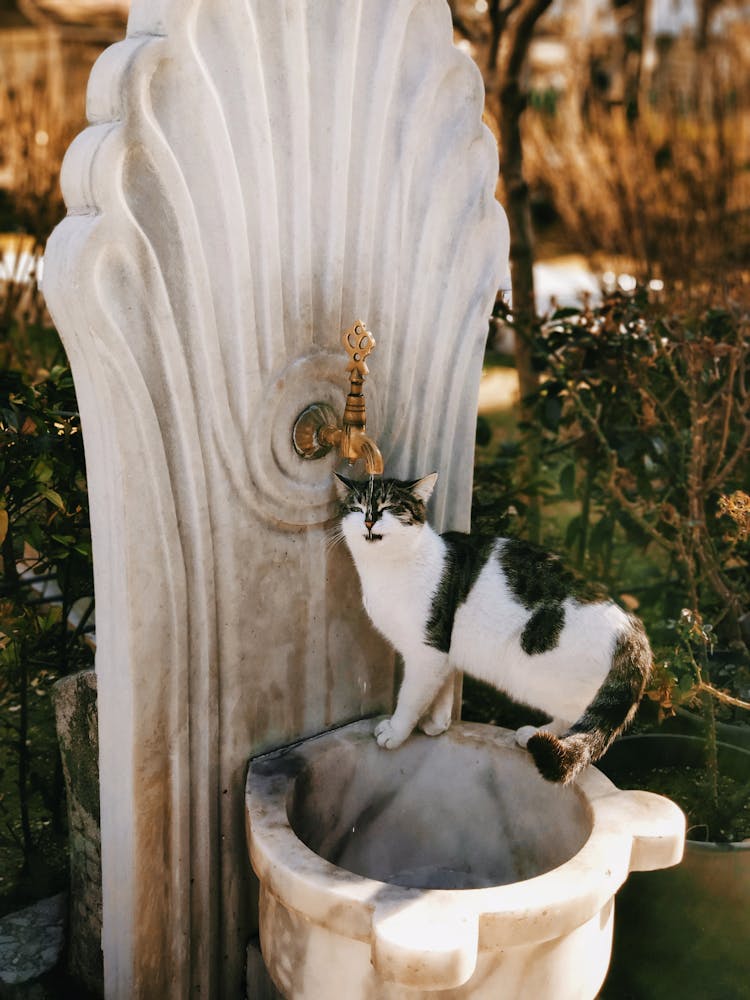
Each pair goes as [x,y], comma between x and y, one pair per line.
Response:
[383,514]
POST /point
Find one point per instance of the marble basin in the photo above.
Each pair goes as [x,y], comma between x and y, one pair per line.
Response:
[448,864]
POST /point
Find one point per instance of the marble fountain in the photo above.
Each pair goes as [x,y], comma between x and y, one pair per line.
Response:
[255,177]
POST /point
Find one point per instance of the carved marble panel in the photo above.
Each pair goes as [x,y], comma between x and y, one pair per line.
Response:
[255,177]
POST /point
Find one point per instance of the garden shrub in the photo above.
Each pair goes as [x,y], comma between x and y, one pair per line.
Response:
[44,542]
[643,418]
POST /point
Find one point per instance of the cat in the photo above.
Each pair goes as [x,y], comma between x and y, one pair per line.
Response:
[501,610]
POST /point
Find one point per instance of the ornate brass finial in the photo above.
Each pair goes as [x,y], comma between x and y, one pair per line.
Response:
[316,430]
[358,342]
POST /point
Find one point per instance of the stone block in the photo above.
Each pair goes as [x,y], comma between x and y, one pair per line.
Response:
[31,942]
[78,737]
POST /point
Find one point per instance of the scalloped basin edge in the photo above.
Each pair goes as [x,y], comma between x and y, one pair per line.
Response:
[448,864]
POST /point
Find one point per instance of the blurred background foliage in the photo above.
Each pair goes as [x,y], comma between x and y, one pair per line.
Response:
[635,127]
[613,428]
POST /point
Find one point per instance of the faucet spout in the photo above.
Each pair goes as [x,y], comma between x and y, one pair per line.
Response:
[316,430]
[369,451]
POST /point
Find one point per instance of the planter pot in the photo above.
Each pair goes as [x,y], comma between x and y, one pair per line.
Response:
[689,724]
[684,931]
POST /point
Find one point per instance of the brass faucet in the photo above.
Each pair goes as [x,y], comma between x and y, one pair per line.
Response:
[316,430]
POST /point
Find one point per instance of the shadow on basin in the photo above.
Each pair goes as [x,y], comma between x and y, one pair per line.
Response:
[436,814]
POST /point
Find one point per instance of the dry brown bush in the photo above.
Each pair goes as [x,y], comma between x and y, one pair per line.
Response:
[669,189]
[42,107]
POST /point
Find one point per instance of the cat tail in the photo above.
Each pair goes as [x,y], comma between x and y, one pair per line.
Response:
[562,758]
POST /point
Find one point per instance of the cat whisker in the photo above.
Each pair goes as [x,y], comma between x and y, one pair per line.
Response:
[334,537]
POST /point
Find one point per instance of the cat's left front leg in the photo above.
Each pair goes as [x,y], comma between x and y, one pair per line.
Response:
[425,672]
[439,715]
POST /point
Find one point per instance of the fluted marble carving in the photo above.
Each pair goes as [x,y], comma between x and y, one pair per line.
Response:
[256,176]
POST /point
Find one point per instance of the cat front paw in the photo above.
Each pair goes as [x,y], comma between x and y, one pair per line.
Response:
[524,734]
[432,726]
[388,736]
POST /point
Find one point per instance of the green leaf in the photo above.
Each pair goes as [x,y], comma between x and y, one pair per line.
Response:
[54,498]
[573,531]
[552,412]
[686,683]
[601,534]
[43,470]
[568,481]
[565,312]
[35,535]
[64,539]
[483,432]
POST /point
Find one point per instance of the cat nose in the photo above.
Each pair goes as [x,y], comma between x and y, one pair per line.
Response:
[369,524]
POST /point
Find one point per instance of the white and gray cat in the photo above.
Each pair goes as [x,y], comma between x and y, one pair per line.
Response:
[503,611]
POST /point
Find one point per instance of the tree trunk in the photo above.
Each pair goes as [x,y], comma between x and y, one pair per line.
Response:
[512,103]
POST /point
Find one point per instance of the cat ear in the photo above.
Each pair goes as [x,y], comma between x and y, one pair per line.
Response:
[343,486]
[422,488]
